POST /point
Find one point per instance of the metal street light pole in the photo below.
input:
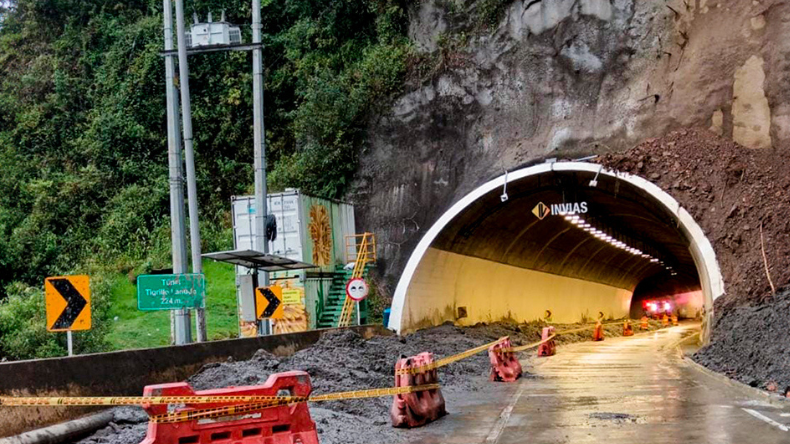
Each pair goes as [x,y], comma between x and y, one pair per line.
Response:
[259,142]
[186,117]
[177,230]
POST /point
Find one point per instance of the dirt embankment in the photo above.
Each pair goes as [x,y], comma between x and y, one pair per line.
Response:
[731,191]
[343,361]
[734,193]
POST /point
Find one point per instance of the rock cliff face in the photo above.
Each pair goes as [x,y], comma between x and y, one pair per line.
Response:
[565,79]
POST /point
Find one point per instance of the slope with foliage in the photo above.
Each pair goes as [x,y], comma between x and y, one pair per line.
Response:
[83,151]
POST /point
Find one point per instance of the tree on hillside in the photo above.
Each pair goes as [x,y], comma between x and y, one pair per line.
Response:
[83,152]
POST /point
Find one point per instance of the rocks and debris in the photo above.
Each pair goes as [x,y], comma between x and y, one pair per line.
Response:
[749,344]
[731,191]
[342,360]
[129,415]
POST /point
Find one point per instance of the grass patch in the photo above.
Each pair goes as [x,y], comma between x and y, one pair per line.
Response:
[131,328]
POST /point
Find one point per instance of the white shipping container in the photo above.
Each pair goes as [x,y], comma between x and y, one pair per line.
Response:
[292,211]
[285,207]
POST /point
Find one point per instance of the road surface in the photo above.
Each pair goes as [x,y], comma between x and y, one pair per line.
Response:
[635,390]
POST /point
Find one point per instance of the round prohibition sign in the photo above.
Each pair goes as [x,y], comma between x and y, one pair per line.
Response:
[357,289]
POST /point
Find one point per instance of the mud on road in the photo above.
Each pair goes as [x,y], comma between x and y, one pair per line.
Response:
[344,360]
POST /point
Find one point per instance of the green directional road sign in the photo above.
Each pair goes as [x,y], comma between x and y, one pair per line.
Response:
[171,291]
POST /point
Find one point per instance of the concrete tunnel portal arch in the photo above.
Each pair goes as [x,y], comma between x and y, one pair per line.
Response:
[489,258]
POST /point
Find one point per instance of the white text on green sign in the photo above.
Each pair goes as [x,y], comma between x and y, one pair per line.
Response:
[171,291]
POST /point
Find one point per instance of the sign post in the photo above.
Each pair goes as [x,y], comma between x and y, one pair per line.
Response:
[171,291]
[357,289]
[68,301]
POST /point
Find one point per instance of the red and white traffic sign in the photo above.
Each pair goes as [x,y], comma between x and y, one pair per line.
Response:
[357,289]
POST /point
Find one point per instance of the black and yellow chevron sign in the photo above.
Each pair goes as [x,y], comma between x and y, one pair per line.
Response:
[68,301]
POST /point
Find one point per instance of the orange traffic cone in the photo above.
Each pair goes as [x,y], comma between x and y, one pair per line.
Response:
[598,332]
[665,320]
[674,319]
[627,330]
[644,325]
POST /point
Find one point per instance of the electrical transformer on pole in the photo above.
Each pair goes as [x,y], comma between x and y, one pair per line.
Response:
[227,39]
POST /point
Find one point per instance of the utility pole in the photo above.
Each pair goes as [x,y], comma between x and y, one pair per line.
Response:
[177,230]
[194,230]
[259,146]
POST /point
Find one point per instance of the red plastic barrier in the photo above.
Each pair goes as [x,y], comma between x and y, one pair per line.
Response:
[504,364]
[287,424]
[627,329]
[598,332]
[549,347]
[419,408]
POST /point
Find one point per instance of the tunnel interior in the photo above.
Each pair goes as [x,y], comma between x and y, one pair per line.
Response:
[573,242]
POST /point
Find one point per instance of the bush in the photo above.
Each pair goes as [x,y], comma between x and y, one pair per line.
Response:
[23,331]
[83,140]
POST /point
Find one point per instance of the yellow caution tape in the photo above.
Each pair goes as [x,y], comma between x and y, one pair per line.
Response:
[133,400]
[448,360]
[528,346]
[373,393]
[248,403]
[253,403]
[191,415]
[463,355]
[589,327]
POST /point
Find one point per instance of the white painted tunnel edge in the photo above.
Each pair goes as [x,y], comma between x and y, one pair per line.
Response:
[702,250]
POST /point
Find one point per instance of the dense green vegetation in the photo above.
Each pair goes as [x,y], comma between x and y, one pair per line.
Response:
[83,153]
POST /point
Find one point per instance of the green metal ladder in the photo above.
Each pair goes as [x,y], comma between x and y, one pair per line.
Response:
[333,306]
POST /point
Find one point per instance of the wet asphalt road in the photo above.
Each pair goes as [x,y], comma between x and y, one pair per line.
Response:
[622,390]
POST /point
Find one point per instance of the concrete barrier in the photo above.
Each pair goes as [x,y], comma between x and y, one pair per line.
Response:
[126,373]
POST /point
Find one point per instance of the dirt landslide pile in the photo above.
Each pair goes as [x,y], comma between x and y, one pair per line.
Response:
[731,191]
[734,193]
[343,361]
[750,345]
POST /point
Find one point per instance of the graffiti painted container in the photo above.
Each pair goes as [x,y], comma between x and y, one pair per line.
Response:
[309,229]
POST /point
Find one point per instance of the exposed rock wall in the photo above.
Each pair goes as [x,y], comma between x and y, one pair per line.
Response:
[564,78]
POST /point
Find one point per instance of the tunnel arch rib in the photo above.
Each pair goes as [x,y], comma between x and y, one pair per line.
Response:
[700,248]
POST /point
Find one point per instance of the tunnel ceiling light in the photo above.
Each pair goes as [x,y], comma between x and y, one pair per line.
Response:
[575,219]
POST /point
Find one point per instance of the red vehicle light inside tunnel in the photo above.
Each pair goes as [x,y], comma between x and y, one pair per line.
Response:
[657,306]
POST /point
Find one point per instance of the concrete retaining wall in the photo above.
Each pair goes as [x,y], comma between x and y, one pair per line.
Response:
[125,373]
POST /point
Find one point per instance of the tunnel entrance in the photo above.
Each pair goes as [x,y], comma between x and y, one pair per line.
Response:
[570,237]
